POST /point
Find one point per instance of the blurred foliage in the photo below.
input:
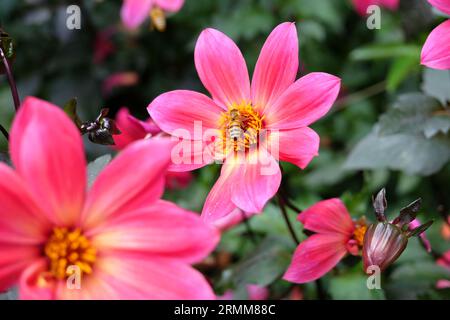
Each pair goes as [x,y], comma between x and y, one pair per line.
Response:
[390,126]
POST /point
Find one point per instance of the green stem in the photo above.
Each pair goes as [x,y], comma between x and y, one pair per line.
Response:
[282,205]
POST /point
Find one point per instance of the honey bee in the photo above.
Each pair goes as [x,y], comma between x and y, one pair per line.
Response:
[158,19]
[234,126]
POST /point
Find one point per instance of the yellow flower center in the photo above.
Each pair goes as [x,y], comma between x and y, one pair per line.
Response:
[360,231]
[240,126]
[66,248]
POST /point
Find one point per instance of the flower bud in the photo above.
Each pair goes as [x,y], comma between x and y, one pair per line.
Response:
[385,241]
[383,244]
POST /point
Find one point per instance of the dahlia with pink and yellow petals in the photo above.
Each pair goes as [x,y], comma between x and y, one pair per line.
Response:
[436,50]
[117,240]
[336,235]
[255,124]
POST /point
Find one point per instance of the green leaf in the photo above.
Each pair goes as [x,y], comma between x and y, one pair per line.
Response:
[70,108]
[414,113]
[411,153]
[400,70]
[386,51]
[266,264]
[416,279]
[96,166]
[436,83]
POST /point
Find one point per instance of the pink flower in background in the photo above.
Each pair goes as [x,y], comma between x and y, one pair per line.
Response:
[362,5]
[445,229]
[119,79]
[336,235]
[132,130]
[444,261]
[274,105]
[254,291]
[436,50]
[135,12]
[103,46]
[122,240]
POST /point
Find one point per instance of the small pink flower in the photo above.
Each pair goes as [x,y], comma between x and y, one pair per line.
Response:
[135,12]
[274,105]
[361,6]
[445,229]
[436,50]
[132,130]
[336,235]
[122,240]
[119,79]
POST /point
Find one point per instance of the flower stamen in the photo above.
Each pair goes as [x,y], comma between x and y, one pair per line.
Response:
[69,248]
[240,126]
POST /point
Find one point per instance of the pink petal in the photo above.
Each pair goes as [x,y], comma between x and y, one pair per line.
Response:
[170,5]
[441,5]
[315,256]
[222,68]
[134,12]
[13,260]
[161,229]
[256,292]
[133,180]
[298,146]
[443,284]
[328,216]
[132,129]
[361,6]
[444,260]
[21,220]
[423,237]
[185,114]
[164,279]
[57,173]
[304,102]
[218,204]
[33,285]
[390,4]
[436,50]
[256,181]
[234,218]
[188,155]
[277,66]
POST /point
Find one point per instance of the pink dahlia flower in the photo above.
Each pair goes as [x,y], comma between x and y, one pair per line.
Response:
[135,12]
[336,235]
[436,50]
[117,240]
[243,118]
[361,6]
[132,130]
